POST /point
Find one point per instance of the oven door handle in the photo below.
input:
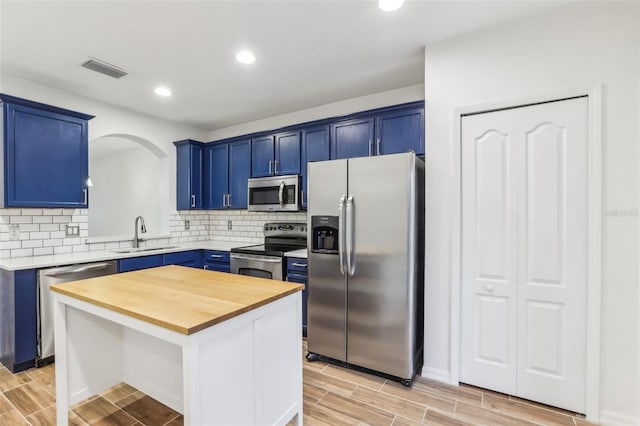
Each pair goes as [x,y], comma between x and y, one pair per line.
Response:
[260,259]
[281,194]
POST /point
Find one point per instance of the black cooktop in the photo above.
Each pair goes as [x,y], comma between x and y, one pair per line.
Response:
[280,238]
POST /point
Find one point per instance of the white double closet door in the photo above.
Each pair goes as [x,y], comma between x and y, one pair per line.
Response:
[524,252]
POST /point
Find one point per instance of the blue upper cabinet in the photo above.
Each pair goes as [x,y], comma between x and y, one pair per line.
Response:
[239,173]
[315,147]
[262,161]
[46,158]
[352,138]
[275,155]
[216,175]
[189,155]
[227,167]
[400,131]
[287,153]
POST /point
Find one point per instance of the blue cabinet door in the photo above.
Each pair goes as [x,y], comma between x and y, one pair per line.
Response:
[189,155]
[314,147]
[135,263]
[287,153]
[262,156]
[352,138]
[45,155]
[25,319]
[216,260]
[191,258]
[400,131]
[239,173]
[216,175]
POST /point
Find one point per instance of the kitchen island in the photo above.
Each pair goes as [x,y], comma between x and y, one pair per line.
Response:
[219,348]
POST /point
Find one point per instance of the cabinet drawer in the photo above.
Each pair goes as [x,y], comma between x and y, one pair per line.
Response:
[297,278]
[190,258]
[216,256]
[135,263]
[296,264]
[220,267]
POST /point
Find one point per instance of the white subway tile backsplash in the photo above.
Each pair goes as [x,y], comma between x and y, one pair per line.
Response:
[42,251]
[62,249]
[42,231]
[22,252]
[42,219]
[20,219]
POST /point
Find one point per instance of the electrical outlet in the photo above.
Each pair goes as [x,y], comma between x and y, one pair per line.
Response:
[187,224]
[14,232]
[72,230]
[229,225]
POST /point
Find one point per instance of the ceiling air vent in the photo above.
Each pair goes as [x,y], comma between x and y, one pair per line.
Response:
[104,68]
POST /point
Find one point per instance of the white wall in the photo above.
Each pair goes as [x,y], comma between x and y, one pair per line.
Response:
[112,120]
[578,46]
[129,182]
[336,109]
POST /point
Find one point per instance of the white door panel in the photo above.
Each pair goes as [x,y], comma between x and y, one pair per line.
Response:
[524,213]
[552,283]
[488,353]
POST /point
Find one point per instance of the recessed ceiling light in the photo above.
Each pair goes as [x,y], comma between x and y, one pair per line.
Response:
[162,91]
[245,57]
[390,5]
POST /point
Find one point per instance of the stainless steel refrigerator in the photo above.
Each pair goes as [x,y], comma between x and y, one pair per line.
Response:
[366,262]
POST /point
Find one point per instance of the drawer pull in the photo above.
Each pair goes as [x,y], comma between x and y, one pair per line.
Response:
[299,265]
[216,256]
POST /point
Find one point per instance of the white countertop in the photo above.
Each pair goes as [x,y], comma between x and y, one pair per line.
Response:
[35,262]
[302,253]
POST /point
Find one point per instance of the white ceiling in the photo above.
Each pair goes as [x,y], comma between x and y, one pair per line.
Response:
[309,53]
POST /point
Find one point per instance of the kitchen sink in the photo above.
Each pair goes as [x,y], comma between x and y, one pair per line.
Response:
[143,249]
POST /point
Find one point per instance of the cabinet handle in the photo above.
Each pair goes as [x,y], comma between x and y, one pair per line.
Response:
[270,167]
[228,200]
[370,148]
[216,256]
[224,200]
[378,147]
[275,167]
[193,200]
[302,196]
[299,265]
[205,267]
[85,195]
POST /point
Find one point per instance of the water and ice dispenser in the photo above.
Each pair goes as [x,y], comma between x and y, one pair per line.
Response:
[324,231]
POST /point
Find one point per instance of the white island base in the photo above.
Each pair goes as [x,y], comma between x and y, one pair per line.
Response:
[245,370]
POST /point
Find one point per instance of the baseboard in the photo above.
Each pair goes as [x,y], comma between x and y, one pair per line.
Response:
[436,374]
[611,418]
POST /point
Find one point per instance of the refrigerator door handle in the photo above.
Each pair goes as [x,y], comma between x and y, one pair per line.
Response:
[351,262]
[341,233]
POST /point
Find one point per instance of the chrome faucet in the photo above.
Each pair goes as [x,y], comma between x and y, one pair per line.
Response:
[143,229]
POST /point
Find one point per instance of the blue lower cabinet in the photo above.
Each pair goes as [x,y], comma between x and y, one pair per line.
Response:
[143,262]
[26,284]
[18,323]
[192,259]
[297,273]
[217,260]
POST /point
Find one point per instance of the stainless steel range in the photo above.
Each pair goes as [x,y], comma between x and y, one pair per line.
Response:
[267,260]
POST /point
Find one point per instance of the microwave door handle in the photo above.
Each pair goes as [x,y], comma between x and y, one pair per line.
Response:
[281,194]
[351,262]
[341,233]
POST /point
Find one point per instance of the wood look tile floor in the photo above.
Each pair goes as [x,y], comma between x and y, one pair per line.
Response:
[332,396]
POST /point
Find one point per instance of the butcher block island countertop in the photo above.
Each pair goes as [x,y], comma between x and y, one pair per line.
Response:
[182,299]
[219,348]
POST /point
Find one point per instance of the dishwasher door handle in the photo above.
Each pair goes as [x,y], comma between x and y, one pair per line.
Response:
[92,267]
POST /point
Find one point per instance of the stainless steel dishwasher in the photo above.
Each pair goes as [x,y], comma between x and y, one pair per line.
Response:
[47,277]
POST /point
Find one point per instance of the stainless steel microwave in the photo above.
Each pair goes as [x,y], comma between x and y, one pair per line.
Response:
[274,194]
